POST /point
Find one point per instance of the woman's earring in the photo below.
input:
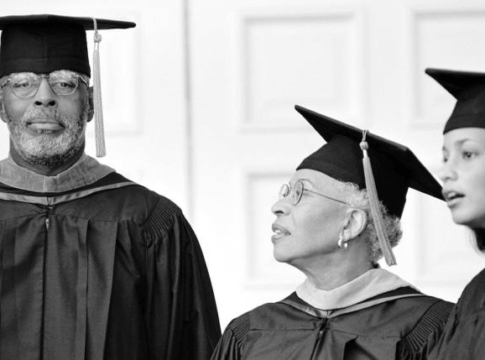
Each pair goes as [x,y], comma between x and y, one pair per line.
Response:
[341,243]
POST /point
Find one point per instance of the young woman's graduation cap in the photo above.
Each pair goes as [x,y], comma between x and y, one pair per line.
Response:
[347,156]
[468,88]
[45,43]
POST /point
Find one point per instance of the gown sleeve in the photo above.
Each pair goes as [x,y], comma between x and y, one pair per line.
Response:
[463,338]
[232,341]
[464,334]
[181,314]
[425,335]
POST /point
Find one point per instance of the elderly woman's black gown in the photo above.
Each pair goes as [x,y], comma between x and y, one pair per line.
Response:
[398,324]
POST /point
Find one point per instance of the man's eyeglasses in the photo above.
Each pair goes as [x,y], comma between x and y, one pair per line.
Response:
[295,194]
[26,84]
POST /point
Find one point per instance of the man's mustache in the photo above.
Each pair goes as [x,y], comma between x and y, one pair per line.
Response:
[34,113]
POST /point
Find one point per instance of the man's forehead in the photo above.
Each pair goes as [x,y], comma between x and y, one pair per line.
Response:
[58,72]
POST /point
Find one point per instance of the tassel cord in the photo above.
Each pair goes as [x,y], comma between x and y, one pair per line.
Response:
[98,103]
[374,207]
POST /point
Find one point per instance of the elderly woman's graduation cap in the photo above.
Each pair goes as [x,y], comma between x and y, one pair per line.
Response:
[45,43]
[468,88]
[347,156]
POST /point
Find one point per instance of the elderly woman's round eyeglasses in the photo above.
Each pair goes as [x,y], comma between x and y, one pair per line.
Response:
[295,194]
[26,84]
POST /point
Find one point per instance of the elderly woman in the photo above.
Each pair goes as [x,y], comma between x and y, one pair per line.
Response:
[463,176]
[330,225]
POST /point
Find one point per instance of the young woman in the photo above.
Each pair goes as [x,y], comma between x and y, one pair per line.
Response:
[463,176]
[330,225]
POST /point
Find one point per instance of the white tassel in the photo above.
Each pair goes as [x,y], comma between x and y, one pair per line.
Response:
[98,103]
[374,205]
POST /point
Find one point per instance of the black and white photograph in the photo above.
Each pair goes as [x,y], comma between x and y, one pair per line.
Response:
[242,180]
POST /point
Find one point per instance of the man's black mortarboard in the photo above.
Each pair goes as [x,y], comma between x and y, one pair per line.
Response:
[45,43]
[347,155]
[468,88]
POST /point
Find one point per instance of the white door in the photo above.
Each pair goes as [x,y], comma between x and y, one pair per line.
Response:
[358,61]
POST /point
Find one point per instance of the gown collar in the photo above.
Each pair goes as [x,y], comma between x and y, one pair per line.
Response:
[372,283]
[85,171]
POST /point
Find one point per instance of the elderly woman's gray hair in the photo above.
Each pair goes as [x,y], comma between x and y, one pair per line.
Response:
[359,199]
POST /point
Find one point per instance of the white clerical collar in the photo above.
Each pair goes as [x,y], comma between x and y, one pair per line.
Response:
[372,283]
[85,171]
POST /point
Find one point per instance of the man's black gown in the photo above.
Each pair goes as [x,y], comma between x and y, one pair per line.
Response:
[108,271]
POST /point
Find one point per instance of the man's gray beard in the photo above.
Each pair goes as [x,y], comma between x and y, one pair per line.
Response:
[44,151]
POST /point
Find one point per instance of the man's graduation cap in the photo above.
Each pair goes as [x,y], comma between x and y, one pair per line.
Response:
[347,157]
[45,43]
[468,88]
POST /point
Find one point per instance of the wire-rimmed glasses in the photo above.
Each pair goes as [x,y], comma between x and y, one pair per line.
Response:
[295,193]
[26,84]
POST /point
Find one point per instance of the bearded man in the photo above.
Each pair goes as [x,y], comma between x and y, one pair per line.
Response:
[92,265]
